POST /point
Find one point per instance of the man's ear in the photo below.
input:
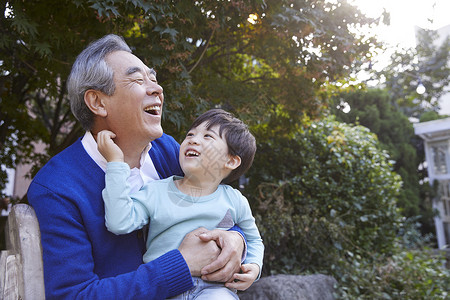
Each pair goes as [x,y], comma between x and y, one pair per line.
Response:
[233,162]
[95,101]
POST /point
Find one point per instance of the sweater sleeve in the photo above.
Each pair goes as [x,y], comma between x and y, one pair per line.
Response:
[70,270]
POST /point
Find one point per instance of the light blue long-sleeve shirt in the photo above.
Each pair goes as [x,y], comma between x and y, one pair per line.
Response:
[172,214]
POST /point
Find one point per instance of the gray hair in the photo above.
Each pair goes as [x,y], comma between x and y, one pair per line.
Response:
[90,71]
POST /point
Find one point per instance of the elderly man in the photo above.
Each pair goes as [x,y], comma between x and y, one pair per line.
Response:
[110,88]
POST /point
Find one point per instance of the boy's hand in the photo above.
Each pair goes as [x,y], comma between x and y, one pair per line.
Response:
[245,279]
[107,147]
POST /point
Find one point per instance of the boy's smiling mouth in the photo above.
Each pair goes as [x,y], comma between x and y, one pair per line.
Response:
[191,153]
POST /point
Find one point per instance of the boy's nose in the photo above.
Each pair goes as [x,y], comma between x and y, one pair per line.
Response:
[194,140]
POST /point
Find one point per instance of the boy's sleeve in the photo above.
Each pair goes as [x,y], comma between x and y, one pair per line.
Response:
[124,212]
[241,233]
[246,221]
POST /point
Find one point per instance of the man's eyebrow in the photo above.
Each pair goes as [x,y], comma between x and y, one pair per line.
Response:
[132,70]
[147,71]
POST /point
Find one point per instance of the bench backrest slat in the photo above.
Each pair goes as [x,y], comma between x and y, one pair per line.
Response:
[21,267]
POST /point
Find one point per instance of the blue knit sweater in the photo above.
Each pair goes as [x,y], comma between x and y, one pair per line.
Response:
[82,259]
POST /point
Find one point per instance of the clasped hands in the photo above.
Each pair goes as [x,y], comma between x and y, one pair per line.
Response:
[215,255]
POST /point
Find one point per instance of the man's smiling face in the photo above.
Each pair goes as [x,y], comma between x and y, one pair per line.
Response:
[135,108]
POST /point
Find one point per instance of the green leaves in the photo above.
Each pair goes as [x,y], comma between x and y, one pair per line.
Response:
[372,108]
[425,64]
[325,199]
[111,8]
[105,8]
[337,192]
[164,30]
[407,274]
[23,25]
[206,53]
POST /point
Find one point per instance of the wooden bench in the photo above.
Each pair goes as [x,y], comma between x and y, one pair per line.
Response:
[21,267]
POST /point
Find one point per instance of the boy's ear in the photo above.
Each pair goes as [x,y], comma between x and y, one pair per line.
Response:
[95,101]
[233,162]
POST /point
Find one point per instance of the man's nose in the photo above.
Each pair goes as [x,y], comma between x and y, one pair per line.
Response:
[154,89]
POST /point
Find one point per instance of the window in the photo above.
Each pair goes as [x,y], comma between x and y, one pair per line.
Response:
[440,156]
[444,195]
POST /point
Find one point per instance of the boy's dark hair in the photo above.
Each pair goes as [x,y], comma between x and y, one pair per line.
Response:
[237,136]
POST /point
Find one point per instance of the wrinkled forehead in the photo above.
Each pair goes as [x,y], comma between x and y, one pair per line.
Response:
[126,63]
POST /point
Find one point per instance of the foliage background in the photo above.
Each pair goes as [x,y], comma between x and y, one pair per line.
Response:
[205,53]
[373,109]
[324,193]
[323,197]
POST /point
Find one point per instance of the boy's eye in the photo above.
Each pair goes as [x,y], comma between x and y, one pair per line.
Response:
[208,135]
[189,134]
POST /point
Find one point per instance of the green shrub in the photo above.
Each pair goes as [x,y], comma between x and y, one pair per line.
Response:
[373,109]
[323,190]
[417,274]
[324,198]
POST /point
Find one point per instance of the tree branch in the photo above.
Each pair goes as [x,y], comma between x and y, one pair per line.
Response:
[203,52]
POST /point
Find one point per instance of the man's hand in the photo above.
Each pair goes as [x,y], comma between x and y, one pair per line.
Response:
[196,252]
[229,261]
[107,147]
[242,281]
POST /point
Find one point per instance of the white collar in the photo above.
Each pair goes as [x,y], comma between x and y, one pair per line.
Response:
[90,145]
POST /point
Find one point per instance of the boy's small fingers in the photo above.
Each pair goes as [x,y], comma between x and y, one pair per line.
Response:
[231,285]
[240,277]
[109,134]
[239,285]
[234,285]
[106,133]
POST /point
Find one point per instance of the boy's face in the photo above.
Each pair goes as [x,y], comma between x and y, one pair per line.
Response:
[204,154]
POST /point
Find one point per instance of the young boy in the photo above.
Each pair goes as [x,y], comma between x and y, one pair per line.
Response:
[217,150]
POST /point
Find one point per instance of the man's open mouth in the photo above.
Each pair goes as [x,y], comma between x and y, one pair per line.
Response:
[153,110]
